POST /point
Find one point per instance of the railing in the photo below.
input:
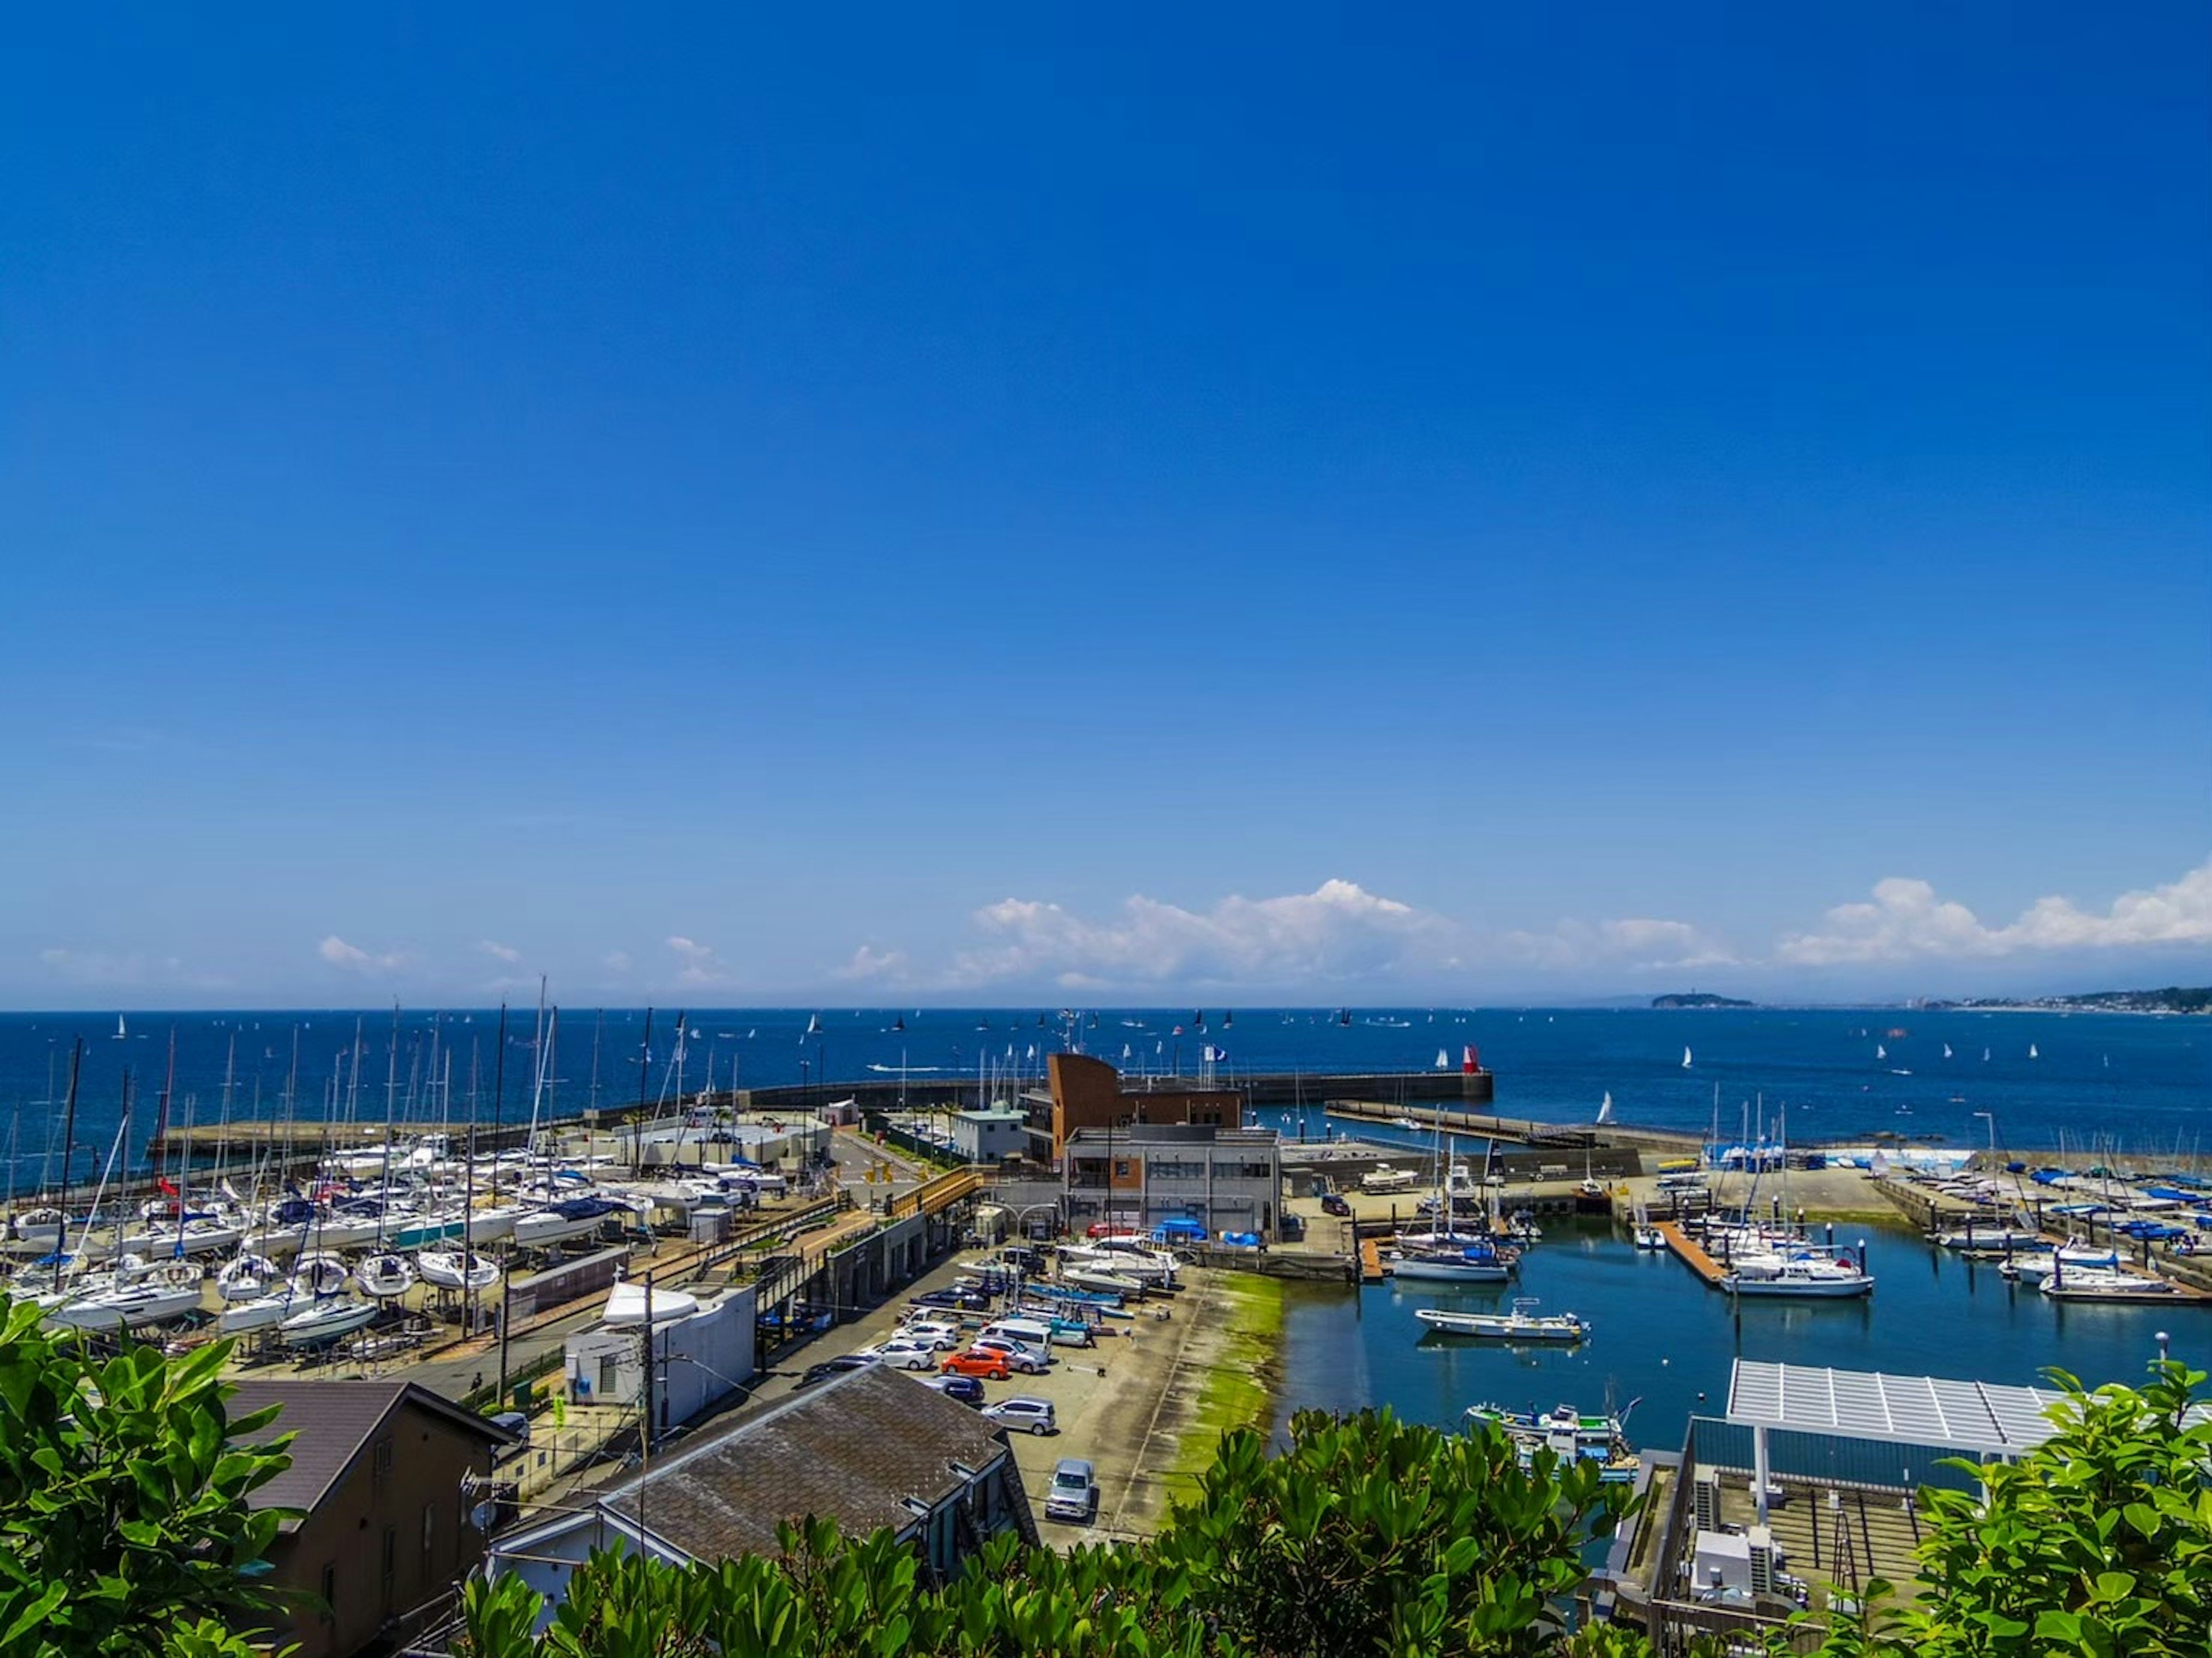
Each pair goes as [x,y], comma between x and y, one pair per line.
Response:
[933,1196]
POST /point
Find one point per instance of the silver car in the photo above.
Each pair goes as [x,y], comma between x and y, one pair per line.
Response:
[1023,1412]
[1074,1493]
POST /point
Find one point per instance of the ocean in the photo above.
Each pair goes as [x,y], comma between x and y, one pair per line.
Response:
[2137,1085]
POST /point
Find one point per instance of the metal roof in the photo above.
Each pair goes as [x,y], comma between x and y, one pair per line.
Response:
[1994,1419]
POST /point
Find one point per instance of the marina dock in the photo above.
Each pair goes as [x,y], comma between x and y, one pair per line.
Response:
[1691,1254]
[1370,1261]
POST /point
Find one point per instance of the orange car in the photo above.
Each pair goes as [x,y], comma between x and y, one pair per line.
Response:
[991,1366]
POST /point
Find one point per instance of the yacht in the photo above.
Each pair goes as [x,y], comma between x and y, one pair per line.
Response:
[1804,1274]
[1522,1323]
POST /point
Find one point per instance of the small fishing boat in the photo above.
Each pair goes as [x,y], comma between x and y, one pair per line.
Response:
[1522,1323]
[1093,1277]
[1383,1179]
[449,1269]
[1568,1434]
[1649,1236]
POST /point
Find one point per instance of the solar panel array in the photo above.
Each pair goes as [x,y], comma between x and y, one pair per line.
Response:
[1910,1410]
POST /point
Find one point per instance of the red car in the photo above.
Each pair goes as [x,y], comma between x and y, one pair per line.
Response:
[990,1366]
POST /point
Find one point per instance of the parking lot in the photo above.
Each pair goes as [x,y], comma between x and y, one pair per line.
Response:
[1121,1405]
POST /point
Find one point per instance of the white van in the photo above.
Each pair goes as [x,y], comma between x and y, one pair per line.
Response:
[1030,1332]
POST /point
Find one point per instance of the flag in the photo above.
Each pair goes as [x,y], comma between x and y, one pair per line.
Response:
[168,1190]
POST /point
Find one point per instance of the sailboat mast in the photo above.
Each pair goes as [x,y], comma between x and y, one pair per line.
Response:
[69,1120]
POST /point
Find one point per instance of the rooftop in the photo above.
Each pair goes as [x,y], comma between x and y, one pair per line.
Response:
[331,1422]
[1988,1418]
[849,1449]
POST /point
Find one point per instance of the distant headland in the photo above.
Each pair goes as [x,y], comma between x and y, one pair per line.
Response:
[1698,999]
[2174,999]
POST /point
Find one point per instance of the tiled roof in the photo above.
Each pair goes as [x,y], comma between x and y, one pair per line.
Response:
[847,1450]
[330,1422]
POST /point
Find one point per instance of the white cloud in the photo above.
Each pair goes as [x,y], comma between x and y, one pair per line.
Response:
[869,962]
[616,961]
[699,964]
[129,968]
[1906,920]
[507,953]
[338,953]
[1338,932]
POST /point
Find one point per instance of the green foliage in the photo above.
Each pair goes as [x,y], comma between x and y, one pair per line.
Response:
[123,1521]
[2098,1543]
[1370,1535]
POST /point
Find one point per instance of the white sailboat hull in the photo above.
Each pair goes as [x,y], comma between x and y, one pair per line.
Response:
[123,1310]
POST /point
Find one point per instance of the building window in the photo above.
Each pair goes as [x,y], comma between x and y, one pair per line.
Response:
[380,1461]
[330,1592]
[1121,1169]
[430,1540]
[607,1368]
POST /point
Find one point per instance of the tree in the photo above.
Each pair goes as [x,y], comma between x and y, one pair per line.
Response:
[124,1527]
[2098,1542]
[1370,1535]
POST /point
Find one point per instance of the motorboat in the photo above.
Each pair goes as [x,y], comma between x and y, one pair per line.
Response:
[44,1227]
[1992,1237]
[1383,1179]
[1650,1238]
[1568,1434]
[124,1307]
[385,1276]
[325,1320]
[1522,1323]
[1806,1273]
[1094,1277]
[451,1269]
[2095,1284]
[2072,1258]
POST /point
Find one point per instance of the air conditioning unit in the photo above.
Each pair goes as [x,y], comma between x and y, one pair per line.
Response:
[1706,1499]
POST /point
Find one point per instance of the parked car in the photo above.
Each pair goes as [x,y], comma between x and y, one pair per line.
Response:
[1022,1412]
[1332,1203]
[974,1363]
[1019,1355]
[830,1367]
[965,1388]
[902,1354]
[936,1332]
[1074,1493]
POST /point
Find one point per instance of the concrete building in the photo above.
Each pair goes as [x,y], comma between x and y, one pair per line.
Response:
[382,1470]
[990,1136]
[869,1450]
[1088,1093]
[1227,1180]
[701,1357]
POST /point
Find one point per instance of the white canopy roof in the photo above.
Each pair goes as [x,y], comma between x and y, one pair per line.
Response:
[1985,1416]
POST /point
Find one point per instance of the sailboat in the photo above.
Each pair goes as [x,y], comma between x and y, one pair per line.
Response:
[1685,1058]
[2031,1051]
[1880,1052]
[1985,1056]
[1443,1060]
[120,1033]
[1605,1108]
[1947,1050]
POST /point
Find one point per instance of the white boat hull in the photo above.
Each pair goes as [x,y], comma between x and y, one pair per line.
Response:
[125,1310]
[326,1321]
[1496,1326]
[262,1313]
[1803,1289]
[1451,1272]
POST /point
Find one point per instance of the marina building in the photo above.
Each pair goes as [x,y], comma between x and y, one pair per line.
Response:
[391,1479]
[868,1449]
[702,1351]
[1088,1093]
[1144,1174]
[990,1136]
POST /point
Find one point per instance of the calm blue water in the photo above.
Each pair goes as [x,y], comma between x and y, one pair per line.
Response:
[2144,1081]
[1662,1337]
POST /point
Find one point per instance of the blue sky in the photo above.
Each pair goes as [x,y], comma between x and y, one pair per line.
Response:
[954,505]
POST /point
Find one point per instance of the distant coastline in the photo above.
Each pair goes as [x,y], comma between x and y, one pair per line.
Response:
[1698,999]
[2174,999]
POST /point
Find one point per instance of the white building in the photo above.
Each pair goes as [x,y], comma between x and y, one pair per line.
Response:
[702,1350]
[990,1136]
